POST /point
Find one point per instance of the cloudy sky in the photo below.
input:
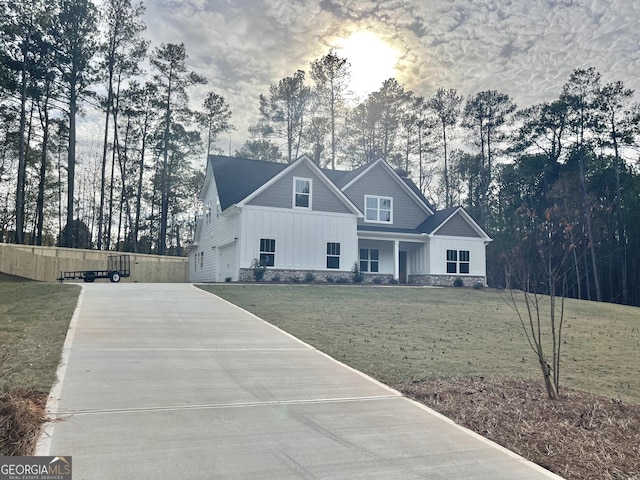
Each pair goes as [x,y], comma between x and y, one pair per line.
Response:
[526,48]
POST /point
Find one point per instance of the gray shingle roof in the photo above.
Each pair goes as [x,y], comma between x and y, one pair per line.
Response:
[236,178]
[435,220]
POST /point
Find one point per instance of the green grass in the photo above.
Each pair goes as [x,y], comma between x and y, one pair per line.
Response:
[398,335]
[34,318]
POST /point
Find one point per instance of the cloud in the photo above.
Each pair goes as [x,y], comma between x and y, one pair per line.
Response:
[524,48]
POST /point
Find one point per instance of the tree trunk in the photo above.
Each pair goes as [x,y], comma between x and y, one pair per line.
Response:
[71,167]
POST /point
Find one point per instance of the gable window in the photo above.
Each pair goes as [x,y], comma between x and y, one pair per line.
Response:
[302,192]
[333,255]
[369,260]
[267,252]
[378,209]
[457,261]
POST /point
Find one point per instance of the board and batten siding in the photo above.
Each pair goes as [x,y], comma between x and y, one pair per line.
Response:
[301,237]
[378,181]
[221,231]
[280,194]
[438,254]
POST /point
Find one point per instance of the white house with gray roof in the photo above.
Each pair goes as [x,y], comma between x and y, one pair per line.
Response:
[297,219]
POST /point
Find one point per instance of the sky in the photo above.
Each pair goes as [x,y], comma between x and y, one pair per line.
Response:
[525,48]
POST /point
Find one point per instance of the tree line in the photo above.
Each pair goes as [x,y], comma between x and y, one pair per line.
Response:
[62,58]
[554,184]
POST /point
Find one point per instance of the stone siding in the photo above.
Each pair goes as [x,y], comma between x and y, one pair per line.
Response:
[341,277]
[447,280]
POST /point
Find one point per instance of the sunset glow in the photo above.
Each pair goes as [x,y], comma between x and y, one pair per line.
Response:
[372,61]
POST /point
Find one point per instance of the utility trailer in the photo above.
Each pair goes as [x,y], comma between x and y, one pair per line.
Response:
[118,266]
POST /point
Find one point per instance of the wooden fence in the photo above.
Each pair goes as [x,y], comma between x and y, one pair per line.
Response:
[46,263]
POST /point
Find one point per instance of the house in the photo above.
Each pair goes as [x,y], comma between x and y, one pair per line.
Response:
[298,219]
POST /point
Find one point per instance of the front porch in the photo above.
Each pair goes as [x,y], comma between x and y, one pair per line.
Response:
[399,257]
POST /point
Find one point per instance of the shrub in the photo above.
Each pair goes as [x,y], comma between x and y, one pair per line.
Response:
[258,269]
[458,282]
[275,278]
[227,279]
[478,286]
[309,277]
[393,281]
[377,280]
[357,275]
[295,279]
[329,278]
[342,279]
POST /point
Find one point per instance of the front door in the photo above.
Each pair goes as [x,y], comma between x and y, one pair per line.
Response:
[402,266]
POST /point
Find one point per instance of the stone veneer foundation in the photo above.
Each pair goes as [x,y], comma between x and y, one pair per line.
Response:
[341,277]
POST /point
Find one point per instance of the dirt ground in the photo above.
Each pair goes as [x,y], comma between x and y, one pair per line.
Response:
[580,436]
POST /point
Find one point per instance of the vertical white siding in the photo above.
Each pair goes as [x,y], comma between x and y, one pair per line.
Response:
[301,237]
[219,231]
[477,254]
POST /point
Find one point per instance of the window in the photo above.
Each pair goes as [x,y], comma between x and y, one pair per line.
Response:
[333,255]
[302,192]
[452,261]
[457,261]
[369,259]
[463,255]
[201,259]
[267,252]
[378,209]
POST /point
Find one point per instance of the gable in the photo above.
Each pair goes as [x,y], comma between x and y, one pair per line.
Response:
[380,181]
[237,178]
[280,193]
[457,226]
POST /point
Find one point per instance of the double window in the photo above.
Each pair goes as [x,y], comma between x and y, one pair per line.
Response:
[369,260]
[333,255]
[302,192]
[457,261]
[267,252]
[378,209]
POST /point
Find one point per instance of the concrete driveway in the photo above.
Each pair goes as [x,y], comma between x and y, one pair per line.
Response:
[165,381]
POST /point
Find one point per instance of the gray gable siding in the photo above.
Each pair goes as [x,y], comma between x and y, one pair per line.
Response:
[280,194]
[457,226]
[406,212]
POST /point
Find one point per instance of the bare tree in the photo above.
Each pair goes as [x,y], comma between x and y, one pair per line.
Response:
[539,267]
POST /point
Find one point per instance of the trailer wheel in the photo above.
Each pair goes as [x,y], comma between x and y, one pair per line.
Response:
[89,277]
[114,277]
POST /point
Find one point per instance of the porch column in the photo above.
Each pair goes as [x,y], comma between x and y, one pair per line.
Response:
[396,260]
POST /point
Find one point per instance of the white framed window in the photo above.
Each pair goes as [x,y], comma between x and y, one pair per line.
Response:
[207,213]
[268,252]
[378,209]
[458,261]
[369,260]
[333,255]
[302,192]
